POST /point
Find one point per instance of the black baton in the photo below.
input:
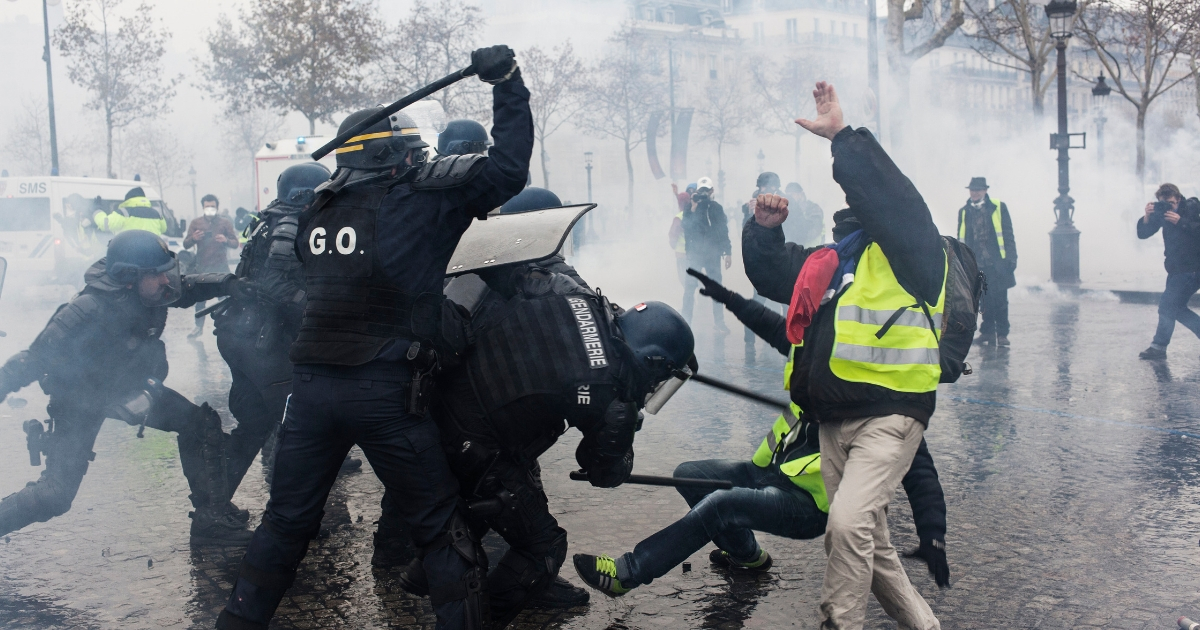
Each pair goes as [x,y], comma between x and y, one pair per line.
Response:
[655,480]
[438,85]
[202,313]
[744,393]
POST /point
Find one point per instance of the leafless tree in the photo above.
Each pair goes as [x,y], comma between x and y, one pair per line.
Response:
[118,60]
[245,133]
[625,90]
[1015,34]
[1194,65]
[434,40]
[307,56]
[1139,43]
[725,114]
[556,80]
[783,93]
[27,143]
[932,24]
[157,155]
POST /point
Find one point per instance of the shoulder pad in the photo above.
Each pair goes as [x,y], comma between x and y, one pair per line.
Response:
[82,309]
[448,171]
[287,227]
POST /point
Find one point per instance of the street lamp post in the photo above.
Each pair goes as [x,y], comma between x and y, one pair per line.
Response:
[1100,100]
[1064,238]
[587,164]
[50,87]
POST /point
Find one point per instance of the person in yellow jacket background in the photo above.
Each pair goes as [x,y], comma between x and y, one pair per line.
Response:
[985,225]
[135,213]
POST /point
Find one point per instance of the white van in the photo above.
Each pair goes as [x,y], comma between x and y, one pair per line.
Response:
[274,157]
[40,219]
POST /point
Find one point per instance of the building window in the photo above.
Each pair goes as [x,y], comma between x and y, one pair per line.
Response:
[706,18]
[759,34]
[845,29]
[669,16]
[855,31]
[791,30]
[726,6]
[648,14]
[712,66]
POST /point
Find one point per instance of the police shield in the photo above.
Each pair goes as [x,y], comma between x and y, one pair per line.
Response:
[514,238]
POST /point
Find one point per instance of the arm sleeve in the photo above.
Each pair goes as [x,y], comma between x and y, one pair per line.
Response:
[231,235]
[771,264]
[111,222]
[768,325]
[20,370]
[925,496]
[201,287]
[1010,241]
[279,279]
[1146,229]
[721,225]
[506,168]
[606,451]
[890,210]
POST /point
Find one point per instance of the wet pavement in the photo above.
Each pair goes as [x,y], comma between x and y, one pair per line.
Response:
[1069,466]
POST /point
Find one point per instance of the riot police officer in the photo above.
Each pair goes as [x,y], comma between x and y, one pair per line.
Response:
[254,336]
[100,356]
[375,244]
[554,351]
[463,137]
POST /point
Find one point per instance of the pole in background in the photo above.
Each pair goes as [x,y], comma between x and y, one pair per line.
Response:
[587,164]
[873,64]
[671,96]
[1064,238]
[50,88]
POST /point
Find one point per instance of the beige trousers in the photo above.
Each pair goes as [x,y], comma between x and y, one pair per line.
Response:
[862,462]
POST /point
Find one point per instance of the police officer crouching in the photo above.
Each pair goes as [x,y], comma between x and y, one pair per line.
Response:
[375,244]
[553,351]
[254,336]
[100,356]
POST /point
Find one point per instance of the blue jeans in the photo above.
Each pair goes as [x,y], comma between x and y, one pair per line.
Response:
[1173,306]
[762,499]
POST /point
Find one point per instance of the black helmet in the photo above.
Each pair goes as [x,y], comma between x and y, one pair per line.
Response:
[296,183]
[532,198]
[461,137]
[660,338]
[767,180]
[382,145]
[133,254]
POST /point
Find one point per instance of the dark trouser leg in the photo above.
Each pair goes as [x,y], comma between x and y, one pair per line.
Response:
[712,269]
[201,444]
[69,451]
[995,312]
[1173,306]
[258,413]
[770,504]
[314,440]
[538,546]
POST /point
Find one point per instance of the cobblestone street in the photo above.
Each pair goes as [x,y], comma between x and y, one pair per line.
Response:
[1070,470]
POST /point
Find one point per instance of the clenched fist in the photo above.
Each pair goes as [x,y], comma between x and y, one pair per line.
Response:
[770,211]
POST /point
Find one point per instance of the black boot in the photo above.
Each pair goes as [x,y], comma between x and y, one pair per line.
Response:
[560,594]
[393,548]
[412,579]
[215,526]
[202,455]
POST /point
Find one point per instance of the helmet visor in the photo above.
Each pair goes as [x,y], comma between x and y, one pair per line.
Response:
[665,390]
[161,286]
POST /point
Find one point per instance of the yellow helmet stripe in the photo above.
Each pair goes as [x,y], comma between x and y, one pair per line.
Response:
[369,136]
[357,147]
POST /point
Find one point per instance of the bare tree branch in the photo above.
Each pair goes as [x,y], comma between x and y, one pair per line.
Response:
[556,81]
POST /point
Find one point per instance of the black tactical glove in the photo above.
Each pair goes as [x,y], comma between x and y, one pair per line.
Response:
[240,289]
[495,64]
[712,288]
[933,552]
[612,475]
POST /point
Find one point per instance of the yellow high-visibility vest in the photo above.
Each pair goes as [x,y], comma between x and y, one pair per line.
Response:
[882,334]
[804,471]
[997,225]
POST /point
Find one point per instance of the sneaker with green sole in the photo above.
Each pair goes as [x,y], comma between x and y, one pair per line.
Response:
[600,573]
[723,559]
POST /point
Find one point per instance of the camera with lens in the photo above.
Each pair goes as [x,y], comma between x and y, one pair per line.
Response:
[701,195]
[1162,207]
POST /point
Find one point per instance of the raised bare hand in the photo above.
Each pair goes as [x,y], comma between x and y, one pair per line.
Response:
[770,211]
[829,112]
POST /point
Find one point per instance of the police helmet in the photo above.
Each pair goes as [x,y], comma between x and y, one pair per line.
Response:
[296,183]
[381,146]
[768,180]
[462,137]
[133,254]
[660,338]
[532,198]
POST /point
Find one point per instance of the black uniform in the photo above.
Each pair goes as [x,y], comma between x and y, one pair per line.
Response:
[544,360]
[375,256]
[254,336]
[100,356]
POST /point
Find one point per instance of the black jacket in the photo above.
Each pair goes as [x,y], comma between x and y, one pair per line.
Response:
[894,215]
[706,230]
[985,246]
[921,483]
[1181,241]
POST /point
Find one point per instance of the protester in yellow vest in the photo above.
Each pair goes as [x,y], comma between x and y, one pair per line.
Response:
[868,362]
[135,213]
[779,491]
[986,227]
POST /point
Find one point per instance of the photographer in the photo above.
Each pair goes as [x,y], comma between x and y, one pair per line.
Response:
[706,240]
[1180,223]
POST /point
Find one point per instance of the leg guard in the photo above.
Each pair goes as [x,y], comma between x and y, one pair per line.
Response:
[523,574]
[466,594]
[202,456]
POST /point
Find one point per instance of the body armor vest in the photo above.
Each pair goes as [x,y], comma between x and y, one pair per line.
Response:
[554,344]
[353,309]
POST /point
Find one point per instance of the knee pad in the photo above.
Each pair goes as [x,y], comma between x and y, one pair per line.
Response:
[534,568]
[470,587]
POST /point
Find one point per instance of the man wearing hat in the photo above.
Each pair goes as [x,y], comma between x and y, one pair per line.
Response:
[135,213]
[986,227]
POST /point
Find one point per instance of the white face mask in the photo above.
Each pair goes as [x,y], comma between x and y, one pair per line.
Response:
[210,211]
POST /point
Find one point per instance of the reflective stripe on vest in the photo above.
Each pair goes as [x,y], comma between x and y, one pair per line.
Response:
[997,226]
[680,245]
[804,471]
[882,335]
